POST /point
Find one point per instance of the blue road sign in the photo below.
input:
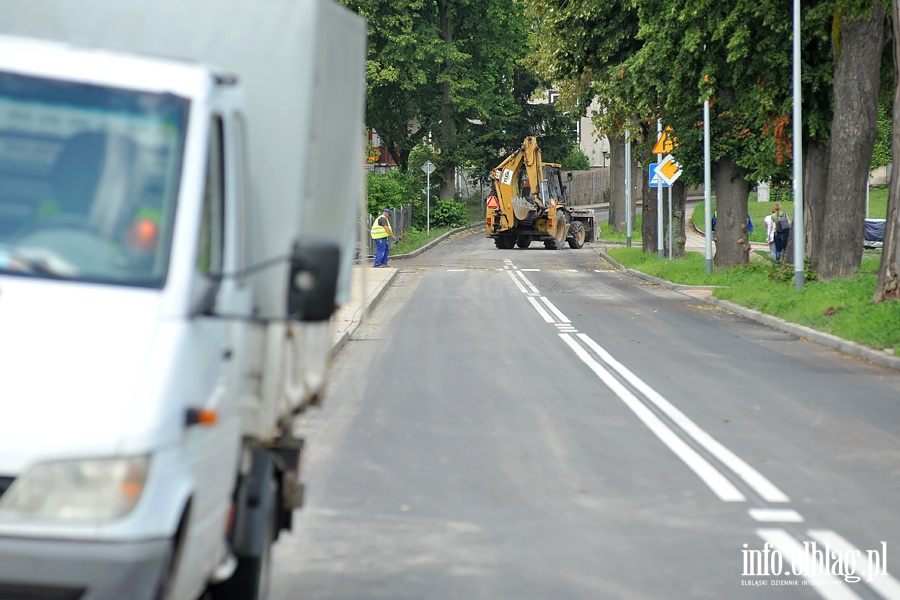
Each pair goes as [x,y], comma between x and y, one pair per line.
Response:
[655,180]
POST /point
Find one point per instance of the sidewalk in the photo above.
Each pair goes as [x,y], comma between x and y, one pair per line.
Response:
[366,289]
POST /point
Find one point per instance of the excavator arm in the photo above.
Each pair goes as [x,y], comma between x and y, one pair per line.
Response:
[519,176]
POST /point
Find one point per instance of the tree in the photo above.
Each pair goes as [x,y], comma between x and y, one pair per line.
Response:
[443,73]
[888,286]
[858,49]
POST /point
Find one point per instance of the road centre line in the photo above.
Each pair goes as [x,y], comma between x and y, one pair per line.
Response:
[765,488]
[776,515]
[718,483]
[559,315]
[796,554]
[755,480]
[544,314]
[516,281]
[885,585]
[530,285]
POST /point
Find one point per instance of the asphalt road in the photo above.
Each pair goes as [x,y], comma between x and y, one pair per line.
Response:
[531,424]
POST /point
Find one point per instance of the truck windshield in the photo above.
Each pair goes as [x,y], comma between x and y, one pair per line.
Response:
[88,180]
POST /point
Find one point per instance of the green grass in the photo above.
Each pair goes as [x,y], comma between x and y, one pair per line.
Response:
[878,198]
[413,239]
[608,235]
[841,307]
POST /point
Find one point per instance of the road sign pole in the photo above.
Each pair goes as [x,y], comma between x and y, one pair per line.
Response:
[799,274]
[428,167]
[628,189]
[670,223]
[707,188]
[659,201]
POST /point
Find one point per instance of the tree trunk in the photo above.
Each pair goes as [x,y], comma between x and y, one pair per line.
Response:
[638,175]
[853,131]
[679,219]
[617,183]
[815,174]
[731,237]
[448,122]
[888,286]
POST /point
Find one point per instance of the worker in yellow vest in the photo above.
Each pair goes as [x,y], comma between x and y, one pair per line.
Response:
[381,231]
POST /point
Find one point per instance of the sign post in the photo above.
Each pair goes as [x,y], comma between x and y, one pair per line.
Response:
[658,151]
[669,171]
[428,167]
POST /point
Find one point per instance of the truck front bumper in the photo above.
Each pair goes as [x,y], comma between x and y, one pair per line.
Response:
[79,570]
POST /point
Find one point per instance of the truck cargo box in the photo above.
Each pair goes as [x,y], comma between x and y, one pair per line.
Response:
[306,149]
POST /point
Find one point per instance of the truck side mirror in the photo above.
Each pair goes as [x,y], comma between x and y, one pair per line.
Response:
[312,282]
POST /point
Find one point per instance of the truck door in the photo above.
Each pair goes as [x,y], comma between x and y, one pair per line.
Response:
[211,449]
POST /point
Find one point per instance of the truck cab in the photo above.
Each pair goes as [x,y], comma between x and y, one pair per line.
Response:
[166,285]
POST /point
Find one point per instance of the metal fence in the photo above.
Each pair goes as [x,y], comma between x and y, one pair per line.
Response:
[401,221]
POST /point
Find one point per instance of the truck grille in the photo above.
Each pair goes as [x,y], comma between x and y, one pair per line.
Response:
[5,482]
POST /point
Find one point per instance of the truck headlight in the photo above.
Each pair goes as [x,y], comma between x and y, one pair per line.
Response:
[82,490]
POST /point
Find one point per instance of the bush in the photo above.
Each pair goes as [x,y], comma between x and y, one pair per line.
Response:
[448,213]
[576,160]
[389,190]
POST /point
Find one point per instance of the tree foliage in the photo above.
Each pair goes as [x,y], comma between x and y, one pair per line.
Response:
[443,74]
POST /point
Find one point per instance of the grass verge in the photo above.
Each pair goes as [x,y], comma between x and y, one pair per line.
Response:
[841,307]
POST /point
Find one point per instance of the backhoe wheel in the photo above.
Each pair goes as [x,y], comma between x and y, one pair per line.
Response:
[523,241]
[505,242]
[559,232]
[576,234]
[552,244]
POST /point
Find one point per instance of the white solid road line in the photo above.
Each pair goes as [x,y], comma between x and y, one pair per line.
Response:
[530,285]
[875,573]
[717,482]
[559,315]
[762,486]
[751,476]
[798,560]
[516,281]
[776,515]
[544,314]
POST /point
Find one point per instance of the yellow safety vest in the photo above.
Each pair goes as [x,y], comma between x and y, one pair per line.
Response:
[379,231]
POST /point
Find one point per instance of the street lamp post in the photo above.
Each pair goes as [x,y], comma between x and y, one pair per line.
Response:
[798,158]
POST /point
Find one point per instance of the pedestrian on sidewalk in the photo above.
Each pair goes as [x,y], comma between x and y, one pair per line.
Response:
[778,229]
[770,228]
[381,231]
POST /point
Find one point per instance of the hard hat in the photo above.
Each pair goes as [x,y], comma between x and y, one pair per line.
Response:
[387,210]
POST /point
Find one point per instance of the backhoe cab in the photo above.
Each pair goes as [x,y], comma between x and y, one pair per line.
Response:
[529,203]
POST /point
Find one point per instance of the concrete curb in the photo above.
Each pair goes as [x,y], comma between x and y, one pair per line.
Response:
[365,308]
[801,331]
[436,241]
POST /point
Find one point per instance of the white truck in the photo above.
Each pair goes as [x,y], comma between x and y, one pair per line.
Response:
[179,193]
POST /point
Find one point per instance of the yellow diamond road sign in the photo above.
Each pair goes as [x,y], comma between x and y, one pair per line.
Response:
[666,142]
[668,170]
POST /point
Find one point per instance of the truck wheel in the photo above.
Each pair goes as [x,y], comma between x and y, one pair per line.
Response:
[576,229]
[523,241]
[251,578]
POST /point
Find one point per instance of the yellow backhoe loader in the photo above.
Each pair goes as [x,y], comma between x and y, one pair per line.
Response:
[529,203]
